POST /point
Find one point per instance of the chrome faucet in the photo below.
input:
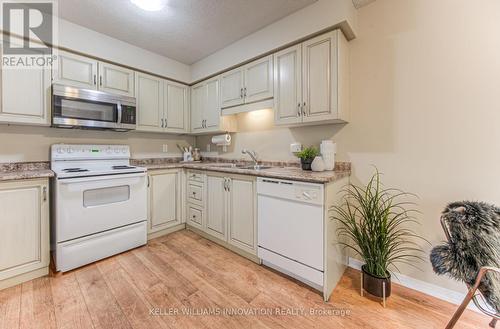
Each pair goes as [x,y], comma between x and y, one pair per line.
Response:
[252,154]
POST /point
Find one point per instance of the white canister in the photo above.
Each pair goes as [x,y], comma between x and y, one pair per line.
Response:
[318,164]
[328,149]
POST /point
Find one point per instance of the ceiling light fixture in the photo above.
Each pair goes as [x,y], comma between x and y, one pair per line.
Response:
[150,5]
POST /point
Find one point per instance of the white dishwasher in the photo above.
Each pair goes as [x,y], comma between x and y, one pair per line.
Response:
[291,228]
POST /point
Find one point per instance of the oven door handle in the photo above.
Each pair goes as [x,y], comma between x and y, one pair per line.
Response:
[99,178]
[119,109]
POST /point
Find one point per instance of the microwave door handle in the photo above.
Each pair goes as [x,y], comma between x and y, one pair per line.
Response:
[119,109]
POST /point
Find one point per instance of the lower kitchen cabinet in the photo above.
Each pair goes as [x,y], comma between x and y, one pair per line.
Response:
[24,233]
[242,225]
[165,199]
[230,209]
[217,206]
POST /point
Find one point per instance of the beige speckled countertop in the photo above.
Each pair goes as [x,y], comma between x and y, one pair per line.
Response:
[279,170]
[25,170]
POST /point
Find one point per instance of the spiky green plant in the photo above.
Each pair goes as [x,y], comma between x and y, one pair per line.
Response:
[308,153]
[375,222]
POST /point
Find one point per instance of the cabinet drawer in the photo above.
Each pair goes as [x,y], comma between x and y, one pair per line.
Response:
[195,176]
[195,216]
[195,193]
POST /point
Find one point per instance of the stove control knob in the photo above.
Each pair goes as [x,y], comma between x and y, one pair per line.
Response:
[108,151]
[70,150]
[117,150]
[124,150]
[60,150]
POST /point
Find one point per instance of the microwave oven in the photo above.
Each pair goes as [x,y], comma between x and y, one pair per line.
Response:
[92,109]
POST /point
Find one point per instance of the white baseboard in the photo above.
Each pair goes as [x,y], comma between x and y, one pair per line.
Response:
[433,290]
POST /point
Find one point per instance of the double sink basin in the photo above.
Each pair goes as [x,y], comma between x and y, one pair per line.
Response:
[240,166]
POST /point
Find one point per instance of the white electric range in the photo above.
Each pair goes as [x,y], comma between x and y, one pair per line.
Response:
[100,203]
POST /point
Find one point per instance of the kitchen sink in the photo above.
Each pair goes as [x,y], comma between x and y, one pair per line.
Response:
[240,166]
[256,167]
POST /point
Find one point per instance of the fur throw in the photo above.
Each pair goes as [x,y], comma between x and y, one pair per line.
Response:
[475,242]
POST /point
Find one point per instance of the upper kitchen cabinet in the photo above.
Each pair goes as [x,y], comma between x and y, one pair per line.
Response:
[206,111]
[175,107]
[25,95]
[83,72]
[116,79]
[149,103]
[311,81]
[288,85]
[76,71]
[244,87]
[232,88]
[259,80]
[162,105]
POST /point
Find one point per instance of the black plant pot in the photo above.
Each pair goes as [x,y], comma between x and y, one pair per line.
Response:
[374,284]
[306,163]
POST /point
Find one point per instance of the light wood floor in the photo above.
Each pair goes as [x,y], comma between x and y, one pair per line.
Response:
[182,272]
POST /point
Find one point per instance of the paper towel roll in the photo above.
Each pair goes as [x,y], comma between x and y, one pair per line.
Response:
[224,140]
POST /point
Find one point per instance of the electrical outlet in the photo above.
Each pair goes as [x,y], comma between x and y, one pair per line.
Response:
[295,147]
[165,148]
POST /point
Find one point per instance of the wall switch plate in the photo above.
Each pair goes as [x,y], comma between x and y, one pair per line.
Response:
[295,147]
[165,148]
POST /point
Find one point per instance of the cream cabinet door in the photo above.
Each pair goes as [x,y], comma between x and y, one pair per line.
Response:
[212,110]
[164,200]
[259,80]
[76,71]
[232,88]
[198,100]
[175,107]
[116,79]
[149,103]
[216,207]
[24,223]
[288,86]
[242,224]
[320,78]
[25,96]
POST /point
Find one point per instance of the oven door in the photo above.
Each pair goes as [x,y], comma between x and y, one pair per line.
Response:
[91,205]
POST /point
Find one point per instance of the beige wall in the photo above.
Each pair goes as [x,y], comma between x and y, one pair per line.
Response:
[425,94]
[256,131]
[425,80]
[23,143]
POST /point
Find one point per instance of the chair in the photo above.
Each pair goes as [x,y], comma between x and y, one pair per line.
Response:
[473,294]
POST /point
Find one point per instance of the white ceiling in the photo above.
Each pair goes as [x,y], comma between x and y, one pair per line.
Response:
[185,30]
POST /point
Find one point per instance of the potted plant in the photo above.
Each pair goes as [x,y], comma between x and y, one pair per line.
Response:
[374,224]
[307,156]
